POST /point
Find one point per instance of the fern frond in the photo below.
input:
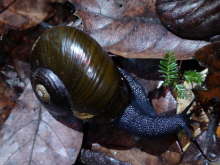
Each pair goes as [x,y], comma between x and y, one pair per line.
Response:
[169,69]
[181,91]
[193,77]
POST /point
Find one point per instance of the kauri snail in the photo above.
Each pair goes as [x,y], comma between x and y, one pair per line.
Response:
[71,74]
[76,73]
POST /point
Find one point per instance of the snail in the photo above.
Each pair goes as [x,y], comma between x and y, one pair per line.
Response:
[73,76]
[191,19]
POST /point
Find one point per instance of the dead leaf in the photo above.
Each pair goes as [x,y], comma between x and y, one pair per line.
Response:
[193,156]
[209,56]
[163,101]
[89,157]
[6,105]
[133,156]
[190,19]
[23,14]
[213,80]
[205,96]
[5,3]
[32,135]
[18,44]
[8,94]
[218,132]
[132,29]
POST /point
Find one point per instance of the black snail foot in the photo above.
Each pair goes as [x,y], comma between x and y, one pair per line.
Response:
[140,118]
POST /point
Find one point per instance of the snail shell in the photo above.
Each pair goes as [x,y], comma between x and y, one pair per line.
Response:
[191,19]
[72,73]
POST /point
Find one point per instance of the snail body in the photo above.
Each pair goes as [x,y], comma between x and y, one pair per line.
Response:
[72,76]
[190,19]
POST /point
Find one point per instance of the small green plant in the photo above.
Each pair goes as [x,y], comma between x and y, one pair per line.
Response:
[172,78]
[169,69]
[193,77]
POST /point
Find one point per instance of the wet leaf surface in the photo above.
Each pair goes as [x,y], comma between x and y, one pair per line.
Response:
[190,19]
[18,44]
[212,80]
[163,101]
[137,157]
[209,56]
[6,104]
[132,29]
[213,151]
[133,156]
[10,89]
[20,15]
[89,157]
[32,135]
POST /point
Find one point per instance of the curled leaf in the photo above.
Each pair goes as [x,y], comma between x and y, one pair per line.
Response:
[192,19]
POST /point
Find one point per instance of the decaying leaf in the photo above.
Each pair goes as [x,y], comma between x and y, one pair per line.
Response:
[131,28]
[6,104]
[213,152]
[163,101]
[135,156]
[213,80]
[205,96]
[10,88]
[193,19]
[89,157]
[23,14]
[209,56]
[32,136]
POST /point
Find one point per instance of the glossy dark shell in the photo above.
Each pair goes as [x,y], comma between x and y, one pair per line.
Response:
[191,19]
[89,75]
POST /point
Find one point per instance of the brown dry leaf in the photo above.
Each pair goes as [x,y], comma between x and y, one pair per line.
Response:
[193,156]
[5,3]
[205,96]
[133,156]
[131,28]
[163,101]
[218,132]
[32,135]
[125,147]
[6,105]
[213,80]
[18,44]
[23,14]
[8,94]
[209,56]
[136,156]
[90,157]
